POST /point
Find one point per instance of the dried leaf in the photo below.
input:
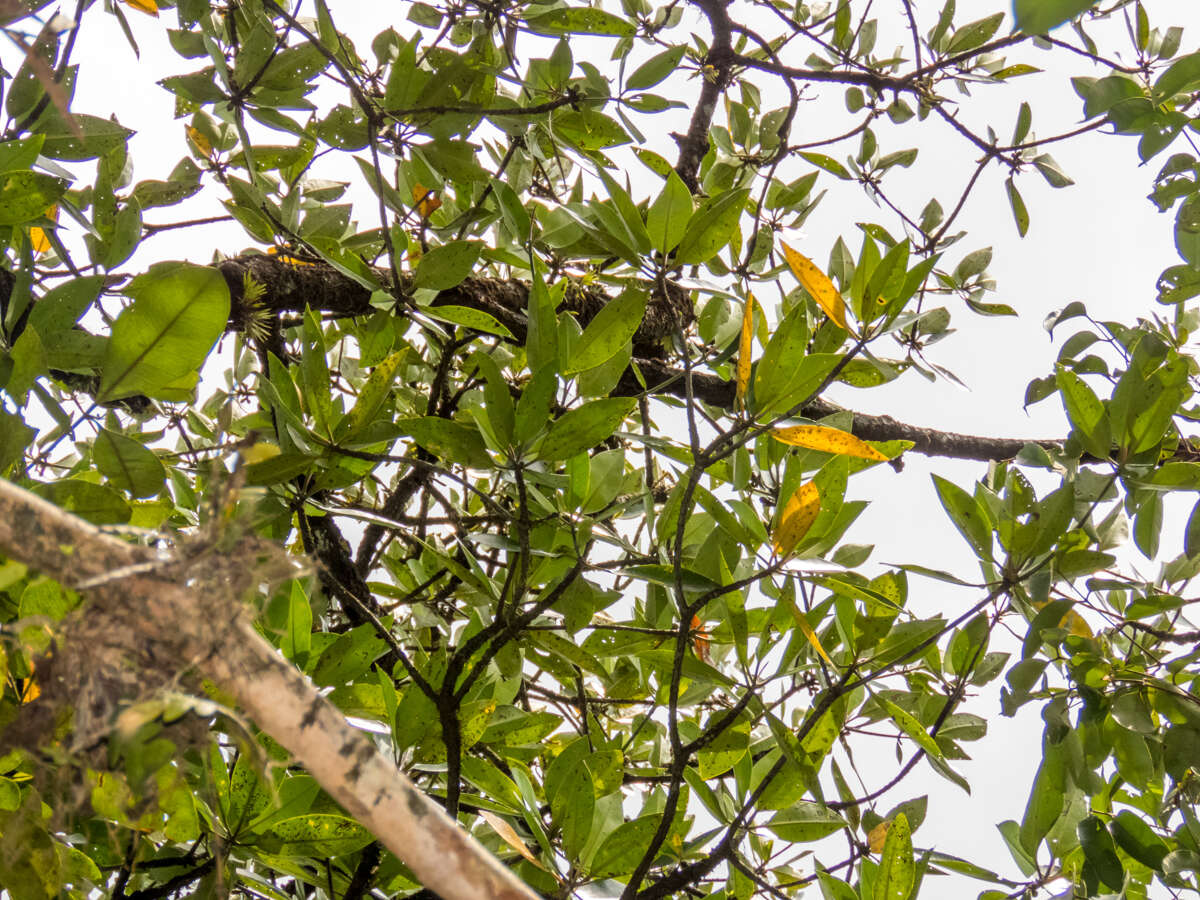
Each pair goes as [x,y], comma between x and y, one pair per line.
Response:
[817,283]
[828,440]
[877,835]
[700,640]
[37,236]
[510,836]
[196,136]
[798,515]
[745,347]
[425,201]
[150,7]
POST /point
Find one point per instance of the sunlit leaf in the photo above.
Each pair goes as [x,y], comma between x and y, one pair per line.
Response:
[37,236]
[828,440]
[425,201]
[797,517]
[745,348]
[818,285]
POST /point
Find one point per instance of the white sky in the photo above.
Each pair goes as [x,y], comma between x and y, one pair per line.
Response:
[1100,241]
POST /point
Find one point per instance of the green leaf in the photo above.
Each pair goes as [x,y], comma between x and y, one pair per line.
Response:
[469,318]
[584,427]
[720,754]
[587,128]
[907,723]
[1138,839]
[624,847]
[974,34]
[1100,852]
[62,307]
[828,163]
[99,137]
[897,870]
[98,504]
[1086,413]
[1183,77]
[319,835]
[667,218]
[448,440]
[781,359]
[128,465]
[966,515]
[447,266]
[1019,210]
[579,20]
[26,195]
[609,332]
[711,227]
[805,821]
[655,69]
[1039,16]
[178,312]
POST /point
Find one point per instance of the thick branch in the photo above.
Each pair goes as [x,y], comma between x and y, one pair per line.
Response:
[224,645]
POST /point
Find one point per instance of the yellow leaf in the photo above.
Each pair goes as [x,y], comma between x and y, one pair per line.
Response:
[510,836]
[1071,620]
[878,835]
[745,347]
[829,440]
[288,258]
[201,143]
[37,237]
[807,631]
[797,517]
[258,452]
[29,687]
[425,200]
[817,283]
[147,6]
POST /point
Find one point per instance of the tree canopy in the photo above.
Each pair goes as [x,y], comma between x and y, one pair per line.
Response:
[499,450]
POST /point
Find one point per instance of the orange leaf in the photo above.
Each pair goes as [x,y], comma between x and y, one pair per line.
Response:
[700,639]
[797,517]
[745,347]
[510,836]
[150,7]
[829,440]
[817,284]
[37,237]
[878,835]
[201,143]
[425,200]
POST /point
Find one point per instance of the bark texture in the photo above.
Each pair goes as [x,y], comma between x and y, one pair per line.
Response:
[166,613]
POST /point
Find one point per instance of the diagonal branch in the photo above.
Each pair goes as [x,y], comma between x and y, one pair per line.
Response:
[214,636]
